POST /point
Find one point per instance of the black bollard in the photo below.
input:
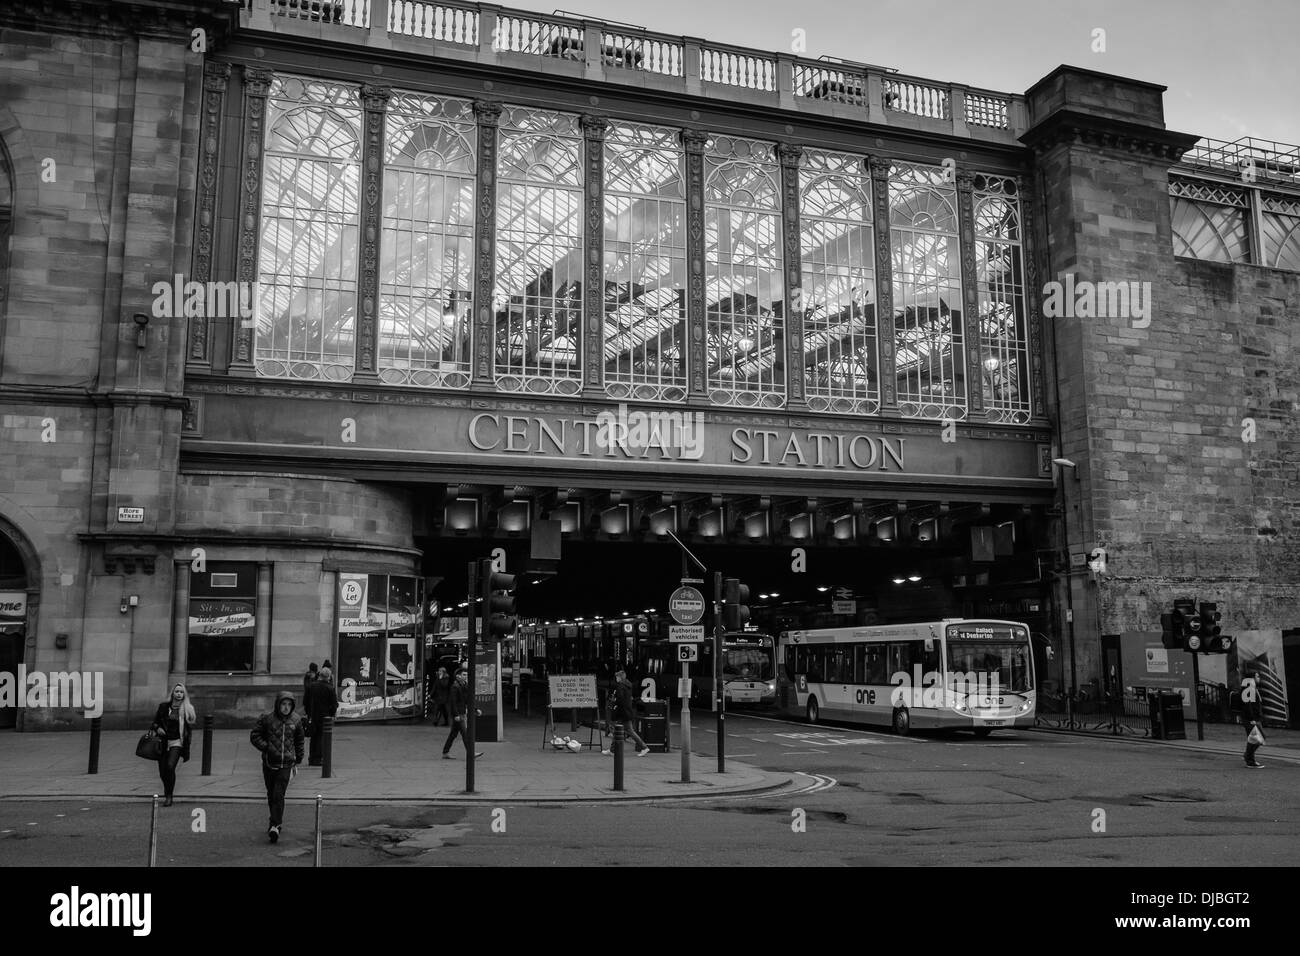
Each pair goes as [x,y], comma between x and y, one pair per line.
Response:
[207,746]
[327,747]
[618,757]
[94,744]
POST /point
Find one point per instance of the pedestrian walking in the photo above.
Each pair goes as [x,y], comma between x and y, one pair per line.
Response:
[1253,718]
[441,697]
[307,680]
[460,701]
[173,721]
[624,711]
[279,736]
[321,702]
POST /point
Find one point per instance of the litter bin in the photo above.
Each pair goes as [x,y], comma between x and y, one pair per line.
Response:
[1167,715]
[652,724]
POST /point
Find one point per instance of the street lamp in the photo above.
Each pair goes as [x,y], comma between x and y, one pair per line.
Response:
[1064,463]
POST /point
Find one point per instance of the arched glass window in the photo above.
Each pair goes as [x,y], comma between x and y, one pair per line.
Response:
[1280,217]
[927,293]
[538,300]
[1208,221]
[645,264]
[310,226]
[999,273]
[840,368]
[744,288]
[427,247]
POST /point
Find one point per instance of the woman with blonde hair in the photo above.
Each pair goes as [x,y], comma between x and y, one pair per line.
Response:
[173,722]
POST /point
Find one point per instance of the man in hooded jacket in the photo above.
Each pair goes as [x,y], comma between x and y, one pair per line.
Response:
[280,737]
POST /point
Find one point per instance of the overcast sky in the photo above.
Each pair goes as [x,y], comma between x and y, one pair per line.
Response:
[1231,67]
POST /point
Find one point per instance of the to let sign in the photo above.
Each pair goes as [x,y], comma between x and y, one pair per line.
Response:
[686,605]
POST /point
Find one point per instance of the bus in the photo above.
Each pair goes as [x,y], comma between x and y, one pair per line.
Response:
[954,674]
[748,667]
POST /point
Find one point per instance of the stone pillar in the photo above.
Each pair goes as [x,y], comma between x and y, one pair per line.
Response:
[181,618]
[969,297]
[696,327]
[879,170]
[488,116]
[262,638]
[794,291]
[257,83]
[374,100]
[1101,165]
[216,76]
[593,318]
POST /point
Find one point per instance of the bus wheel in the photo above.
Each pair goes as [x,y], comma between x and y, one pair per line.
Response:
[813,712]
[902,722]
[982,732]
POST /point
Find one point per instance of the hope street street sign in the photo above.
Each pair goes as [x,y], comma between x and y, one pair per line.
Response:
[686,605]
[130,515]
[685,633]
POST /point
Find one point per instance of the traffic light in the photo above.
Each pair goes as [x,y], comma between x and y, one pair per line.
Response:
[498,603]
[1188,625]
[1212,636]
[735,609]
[1170,637]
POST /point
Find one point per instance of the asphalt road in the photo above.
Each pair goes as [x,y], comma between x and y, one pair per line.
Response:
[868,798]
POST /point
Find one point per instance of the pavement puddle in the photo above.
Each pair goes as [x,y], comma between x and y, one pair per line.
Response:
[403,841]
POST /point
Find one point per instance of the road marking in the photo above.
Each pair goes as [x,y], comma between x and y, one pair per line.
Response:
[744,755]
[820,782]
[803,753]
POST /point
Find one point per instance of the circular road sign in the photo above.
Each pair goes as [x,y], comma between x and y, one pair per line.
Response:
[686,605]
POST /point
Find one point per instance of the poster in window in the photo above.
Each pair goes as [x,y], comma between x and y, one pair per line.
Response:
[378,628]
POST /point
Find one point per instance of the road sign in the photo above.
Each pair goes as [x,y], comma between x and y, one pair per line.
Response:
[685,633]
[686,605]
[844,607]
[843,594]
[688,653]
[684,692]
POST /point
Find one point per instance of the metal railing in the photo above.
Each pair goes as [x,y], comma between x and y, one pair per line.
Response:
[1247,159]
[622,53]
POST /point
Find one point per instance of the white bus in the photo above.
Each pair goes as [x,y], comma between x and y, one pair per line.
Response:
[955,674]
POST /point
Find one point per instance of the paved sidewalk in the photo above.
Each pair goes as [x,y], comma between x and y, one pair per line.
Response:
[372,763]
[1283,745]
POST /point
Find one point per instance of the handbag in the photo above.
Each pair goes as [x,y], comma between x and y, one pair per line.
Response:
[150,747]
[1255,737]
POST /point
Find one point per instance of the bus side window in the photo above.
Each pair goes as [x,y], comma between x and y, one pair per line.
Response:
[877,665]
[859,663]
[815,668]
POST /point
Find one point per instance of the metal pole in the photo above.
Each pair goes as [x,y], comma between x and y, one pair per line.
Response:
[471,646]
[618,757]
[318,800]
[1069,598]
[686,724]
[153,832]
[1196,694]
[720,698]
[95,728]
[207,746]
[327,747]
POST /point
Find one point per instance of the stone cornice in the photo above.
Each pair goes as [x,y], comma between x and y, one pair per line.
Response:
[1087,129]
[155,19]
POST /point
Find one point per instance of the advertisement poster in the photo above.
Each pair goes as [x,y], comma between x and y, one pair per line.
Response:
[379,625]
[487,692]
[1258,655]
[1149,666]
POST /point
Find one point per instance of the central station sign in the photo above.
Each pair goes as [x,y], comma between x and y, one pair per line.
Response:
[535,435]
[545,432]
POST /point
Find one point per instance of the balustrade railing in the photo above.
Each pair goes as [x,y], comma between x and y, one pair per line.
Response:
[621,51]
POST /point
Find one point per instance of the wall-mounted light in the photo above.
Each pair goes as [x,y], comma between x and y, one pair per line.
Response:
[462,515]
[885,529]
[914,578]
[141,320]
[899,580]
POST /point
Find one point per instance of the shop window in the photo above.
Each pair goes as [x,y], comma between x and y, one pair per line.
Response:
[222,618]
